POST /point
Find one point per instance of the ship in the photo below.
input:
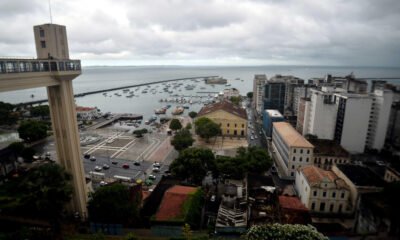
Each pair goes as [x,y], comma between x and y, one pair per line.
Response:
[160,111]
[178,110]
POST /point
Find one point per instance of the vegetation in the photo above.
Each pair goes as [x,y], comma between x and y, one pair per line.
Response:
[188,126]
[175,124]
[192,208]
[236,100]
[140,132]
[32,130]
[283,231]
[42,111]
[192,164]
[182,139]
[17,148]
[7,115]
[27,154]
[249,95]
[192,114]
[114,204]
[206,128]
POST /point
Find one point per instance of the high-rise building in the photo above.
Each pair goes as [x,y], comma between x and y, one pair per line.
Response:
[270,116]
[258,91]
[274,95]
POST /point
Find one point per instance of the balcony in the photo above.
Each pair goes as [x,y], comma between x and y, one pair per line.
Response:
[11,66]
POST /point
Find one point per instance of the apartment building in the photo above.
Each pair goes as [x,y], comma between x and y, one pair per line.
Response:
[258,91]
[290,149]
[322,191]
[270,116]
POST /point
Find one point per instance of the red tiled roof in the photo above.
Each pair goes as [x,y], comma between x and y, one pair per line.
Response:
[171,204]
[81,109]
[292,203]
[315,176]
[226,106]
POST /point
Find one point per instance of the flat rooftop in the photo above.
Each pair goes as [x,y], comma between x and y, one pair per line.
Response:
[273,113]
[361,175]
[291,137]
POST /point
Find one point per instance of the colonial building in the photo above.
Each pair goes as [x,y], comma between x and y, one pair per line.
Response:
[86,113]
[328,153]
[392,174]
[323,191]
[291,150]
[231,118]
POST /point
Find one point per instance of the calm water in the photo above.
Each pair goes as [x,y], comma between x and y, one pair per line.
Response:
[96,78]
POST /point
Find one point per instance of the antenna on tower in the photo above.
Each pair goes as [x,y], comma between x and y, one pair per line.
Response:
[51,17]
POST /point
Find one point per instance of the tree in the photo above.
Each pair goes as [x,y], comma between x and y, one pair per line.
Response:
[192,164]
[46,189]
[284,231]
[42,111]
[249,95]
[206,128]
[17,148]
[236,100]
[182,140]
[192,114]
[187,232]
[188,126]
[114,204]
[32,130]
[7,115]
[175,124]
[140,132]
[27,154]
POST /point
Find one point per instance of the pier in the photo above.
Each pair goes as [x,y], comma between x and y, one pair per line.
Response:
[124,116]
[114,89]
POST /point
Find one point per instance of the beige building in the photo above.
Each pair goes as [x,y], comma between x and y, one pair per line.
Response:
[290,149]
[392,174]
[231,118]
[51,41]
[323,191]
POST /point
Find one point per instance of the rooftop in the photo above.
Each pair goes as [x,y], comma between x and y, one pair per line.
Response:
[273,113]
[360,175]
[83,109]
[324,147]
[226,106]
[292,203]
[315,176]
[291,137]
[171,204]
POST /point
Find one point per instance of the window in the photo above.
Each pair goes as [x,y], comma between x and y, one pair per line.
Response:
[324,194]
[334,194]
[340,208]
[235,125]
[294,158]
[301,150]
[43,44]
[227,124]
[331,208]
[315,193]
[235,132]
[242,133]
[242,125]
[294,150]
[308,151]
[292,166]
[307,159]
[313,206]
[342,195]
[227,131]
[292,174]
[322,206]
[300,159]
[41,33]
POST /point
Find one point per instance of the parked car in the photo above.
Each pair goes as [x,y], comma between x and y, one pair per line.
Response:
[86,155]
[136,163]
[114,162]
[152,177]
[97,168]
[125,165]
[212,199]
[156,169]
[92,158]
[106,166]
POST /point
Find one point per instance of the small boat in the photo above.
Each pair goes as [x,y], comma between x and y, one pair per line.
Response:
[178,110]
[227,85]
[160,111]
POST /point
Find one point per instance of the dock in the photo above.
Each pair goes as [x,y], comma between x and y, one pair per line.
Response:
[117,117]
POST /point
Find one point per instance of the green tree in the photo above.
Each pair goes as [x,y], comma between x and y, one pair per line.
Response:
[249,95]
[7,115]
[114,204]
[140,132]
[192,114]
[192,164]
[188,126]
[187,232]
[32,130]
[27,154]
[130,236]
[46,189]
[206,128]
[284,231]
[236,100]
[42,111]
[17,148]
[182,140]
[175,124]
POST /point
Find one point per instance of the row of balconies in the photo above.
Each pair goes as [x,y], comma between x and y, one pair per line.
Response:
[35,65]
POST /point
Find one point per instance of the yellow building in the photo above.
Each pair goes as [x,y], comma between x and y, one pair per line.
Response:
[231,118]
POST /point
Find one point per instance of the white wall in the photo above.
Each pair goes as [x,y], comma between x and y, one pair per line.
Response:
[383,104]
[322,120]
[355,124]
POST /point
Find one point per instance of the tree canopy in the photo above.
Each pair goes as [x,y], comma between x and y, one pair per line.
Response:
[182,139]
[32,130]
[42,111]
[175,124]
[7,115]
[114,204]
[283,231]
[192,164]
[206,128]
[192,114]
[236,100]
[249,94]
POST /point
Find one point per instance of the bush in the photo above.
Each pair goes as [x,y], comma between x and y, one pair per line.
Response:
[284,231]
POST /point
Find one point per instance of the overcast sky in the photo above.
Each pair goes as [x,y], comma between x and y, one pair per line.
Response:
[212,32]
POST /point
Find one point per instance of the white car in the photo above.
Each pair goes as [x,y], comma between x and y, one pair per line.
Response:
[255,136]
[251,138]
[156,164]
[98,168]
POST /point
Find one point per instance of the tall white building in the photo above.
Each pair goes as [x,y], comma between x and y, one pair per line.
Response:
[258,92]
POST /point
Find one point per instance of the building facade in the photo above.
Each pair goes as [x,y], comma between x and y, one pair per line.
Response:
[270,116]
[328,153]
[258,91]
[291,150]
[322,191]
[231,118]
